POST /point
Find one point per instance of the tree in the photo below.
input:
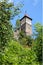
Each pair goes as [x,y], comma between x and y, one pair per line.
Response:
[17,23]
[38,41]
[24,39]
[29,40]
[7,12]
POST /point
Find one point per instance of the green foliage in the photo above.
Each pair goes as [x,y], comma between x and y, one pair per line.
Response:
[7,12]
[38,41]
[24,39]
[15,54]
[29,40]
[17,23]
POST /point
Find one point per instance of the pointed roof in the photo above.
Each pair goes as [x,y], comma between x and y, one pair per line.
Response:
[26,17]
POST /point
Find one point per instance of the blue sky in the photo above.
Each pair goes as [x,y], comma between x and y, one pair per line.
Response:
[33,8]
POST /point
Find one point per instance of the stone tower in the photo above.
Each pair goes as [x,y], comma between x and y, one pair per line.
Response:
[26,25]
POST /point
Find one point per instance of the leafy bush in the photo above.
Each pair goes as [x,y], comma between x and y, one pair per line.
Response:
[15,54]
[38,41]
[24,39]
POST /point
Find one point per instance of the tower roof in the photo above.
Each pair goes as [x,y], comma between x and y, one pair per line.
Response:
[26,17]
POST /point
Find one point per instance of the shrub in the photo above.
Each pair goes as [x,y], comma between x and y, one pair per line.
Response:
[15,54]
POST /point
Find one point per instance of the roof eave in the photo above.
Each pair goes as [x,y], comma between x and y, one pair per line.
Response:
[24,17]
